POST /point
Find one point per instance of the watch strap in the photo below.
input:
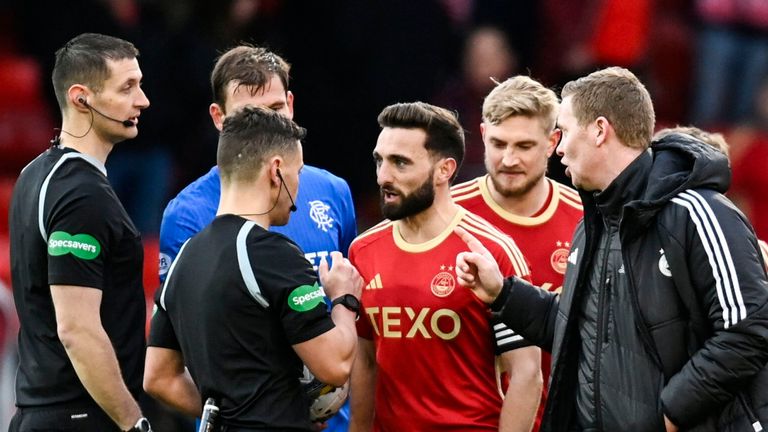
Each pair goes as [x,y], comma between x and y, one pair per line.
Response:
[352,304]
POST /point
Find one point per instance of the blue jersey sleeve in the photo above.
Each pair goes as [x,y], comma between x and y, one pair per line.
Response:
[186,215]
[175,228]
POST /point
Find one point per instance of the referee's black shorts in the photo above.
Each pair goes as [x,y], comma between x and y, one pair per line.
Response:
[80,416]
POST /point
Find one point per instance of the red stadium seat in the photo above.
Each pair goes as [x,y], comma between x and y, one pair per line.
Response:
[21,77]
[25,124]
[6,190]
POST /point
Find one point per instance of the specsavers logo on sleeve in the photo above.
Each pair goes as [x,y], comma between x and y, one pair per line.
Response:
[305,297]
[83,246]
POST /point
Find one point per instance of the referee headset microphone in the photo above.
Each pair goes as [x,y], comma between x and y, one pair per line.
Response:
[282,184]
[126,123]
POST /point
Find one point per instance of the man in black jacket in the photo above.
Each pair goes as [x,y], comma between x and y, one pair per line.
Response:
[663,318]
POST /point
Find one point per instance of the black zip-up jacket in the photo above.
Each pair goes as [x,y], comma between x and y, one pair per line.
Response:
[698,299]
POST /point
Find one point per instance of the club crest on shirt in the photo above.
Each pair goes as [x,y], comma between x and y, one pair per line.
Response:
[164,263]
[664,265]
[559,258]
[318,211]
[444,282]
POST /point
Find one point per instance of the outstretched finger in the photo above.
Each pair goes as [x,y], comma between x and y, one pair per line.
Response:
[472,242]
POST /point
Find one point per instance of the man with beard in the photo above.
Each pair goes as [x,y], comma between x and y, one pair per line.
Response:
[426,348]
[519,134]
[662,324]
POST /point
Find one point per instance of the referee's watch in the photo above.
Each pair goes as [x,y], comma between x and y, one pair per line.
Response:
[350,302]
[141,426]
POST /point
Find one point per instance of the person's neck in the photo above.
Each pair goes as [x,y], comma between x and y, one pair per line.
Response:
[247,202]
[429,223]
[81,136]
[621,157]
[525,205]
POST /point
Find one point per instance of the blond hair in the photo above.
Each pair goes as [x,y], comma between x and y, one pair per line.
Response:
[521,96]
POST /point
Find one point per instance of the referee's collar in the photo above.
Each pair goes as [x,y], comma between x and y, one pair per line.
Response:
[88,158]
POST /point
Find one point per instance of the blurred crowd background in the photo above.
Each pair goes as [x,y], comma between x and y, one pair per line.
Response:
[705,63]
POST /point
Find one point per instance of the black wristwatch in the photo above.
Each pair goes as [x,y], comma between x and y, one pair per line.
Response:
[141,426]
[350,302]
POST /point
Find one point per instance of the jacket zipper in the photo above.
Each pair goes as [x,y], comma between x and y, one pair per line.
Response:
[602,299]
[606,314]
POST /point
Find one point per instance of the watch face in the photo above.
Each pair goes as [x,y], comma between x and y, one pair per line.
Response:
[348,301]
[352,301]
[144,425]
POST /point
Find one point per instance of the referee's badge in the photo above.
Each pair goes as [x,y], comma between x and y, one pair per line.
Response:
[305,297]
[83,246]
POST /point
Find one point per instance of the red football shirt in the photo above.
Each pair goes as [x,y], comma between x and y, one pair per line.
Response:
[543,238]
[435,347]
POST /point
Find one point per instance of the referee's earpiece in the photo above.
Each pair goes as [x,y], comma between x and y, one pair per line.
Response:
[282,185]
[81,99]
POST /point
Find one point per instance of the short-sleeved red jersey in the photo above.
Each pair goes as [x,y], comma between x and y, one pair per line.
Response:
[543,238]
[435,346]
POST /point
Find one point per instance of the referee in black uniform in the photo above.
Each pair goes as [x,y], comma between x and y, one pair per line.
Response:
[76,257]
[241,306]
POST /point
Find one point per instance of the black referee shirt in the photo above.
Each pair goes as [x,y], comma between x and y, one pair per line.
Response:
[80,236]
[236,337]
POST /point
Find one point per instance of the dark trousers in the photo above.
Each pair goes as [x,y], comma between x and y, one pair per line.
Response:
[68,417]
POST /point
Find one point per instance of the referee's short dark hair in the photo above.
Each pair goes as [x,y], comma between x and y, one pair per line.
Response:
[83,60]
[249,137]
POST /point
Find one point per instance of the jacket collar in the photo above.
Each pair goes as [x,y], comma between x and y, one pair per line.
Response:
[626,187]
[680,163]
